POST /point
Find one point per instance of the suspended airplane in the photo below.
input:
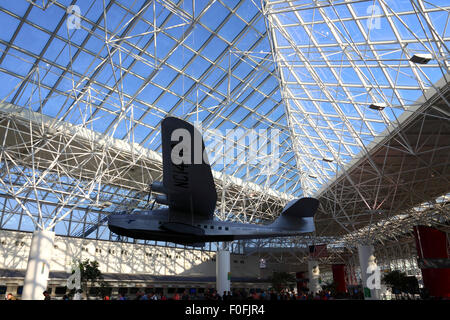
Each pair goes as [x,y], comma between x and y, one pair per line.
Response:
[189,192]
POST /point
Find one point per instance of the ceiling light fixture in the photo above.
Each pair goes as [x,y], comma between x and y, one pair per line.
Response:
[378,107]
[421,58]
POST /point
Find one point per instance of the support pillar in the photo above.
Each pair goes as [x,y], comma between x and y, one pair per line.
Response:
[223,275]
[38,268]
[301,282]
[314,275]
[432,244]
[370,274]
[339,277]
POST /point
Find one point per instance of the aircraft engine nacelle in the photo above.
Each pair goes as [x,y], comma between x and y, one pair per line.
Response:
[158,187]
[162,199]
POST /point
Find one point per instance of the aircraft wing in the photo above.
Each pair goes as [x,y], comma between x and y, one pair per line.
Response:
[187,176]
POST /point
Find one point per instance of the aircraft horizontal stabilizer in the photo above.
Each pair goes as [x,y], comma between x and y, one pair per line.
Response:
[298,215]
[304,207]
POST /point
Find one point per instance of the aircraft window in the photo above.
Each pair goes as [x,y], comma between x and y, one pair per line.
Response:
[159,222]
[220,228]
[226,228]
[212,227]
[206,227]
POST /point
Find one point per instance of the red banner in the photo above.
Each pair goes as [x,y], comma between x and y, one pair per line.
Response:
[318,251]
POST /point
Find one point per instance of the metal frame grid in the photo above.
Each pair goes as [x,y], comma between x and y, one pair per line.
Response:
[81,107]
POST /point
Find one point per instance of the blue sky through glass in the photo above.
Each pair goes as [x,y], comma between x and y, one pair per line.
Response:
[214,62]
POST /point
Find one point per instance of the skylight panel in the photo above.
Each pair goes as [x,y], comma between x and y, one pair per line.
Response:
[7,33]
[215,15]
[149,93]
[40,16]
[197,67]
[182,85]
[214,49]
[232,28]
[31,39]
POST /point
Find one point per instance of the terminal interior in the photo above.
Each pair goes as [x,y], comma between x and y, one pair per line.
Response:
[353,97]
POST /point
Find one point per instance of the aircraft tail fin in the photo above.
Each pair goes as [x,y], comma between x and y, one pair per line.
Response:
[298,215]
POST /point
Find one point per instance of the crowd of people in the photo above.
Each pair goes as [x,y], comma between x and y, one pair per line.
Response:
[240,295]
[234,295]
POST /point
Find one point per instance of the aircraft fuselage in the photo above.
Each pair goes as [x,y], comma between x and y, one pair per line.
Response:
[162,225]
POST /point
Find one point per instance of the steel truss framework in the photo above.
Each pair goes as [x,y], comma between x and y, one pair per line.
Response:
[80,110]
[393,250]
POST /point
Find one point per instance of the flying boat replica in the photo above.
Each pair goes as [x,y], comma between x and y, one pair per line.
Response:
[189,192]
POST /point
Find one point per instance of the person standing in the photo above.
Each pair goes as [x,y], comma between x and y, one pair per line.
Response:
[46,295]
[10,296]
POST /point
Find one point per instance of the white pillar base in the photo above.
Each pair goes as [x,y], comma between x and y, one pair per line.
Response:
[38,268]
[367,263]
[314,275]
[222,271]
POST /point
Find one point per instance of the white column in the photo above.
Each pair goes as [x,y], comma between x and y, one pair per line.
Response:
[314,275]
[222,271]
[369,272]
[38,267]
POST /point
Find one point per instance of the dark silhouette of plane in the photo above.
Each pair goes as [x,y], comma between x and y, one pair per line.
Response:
[189,192]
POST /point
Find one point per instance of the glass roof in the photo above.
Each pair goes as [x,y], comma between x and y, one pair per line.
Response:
[314,70]
[338,58]
[210,63]
[213,62]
